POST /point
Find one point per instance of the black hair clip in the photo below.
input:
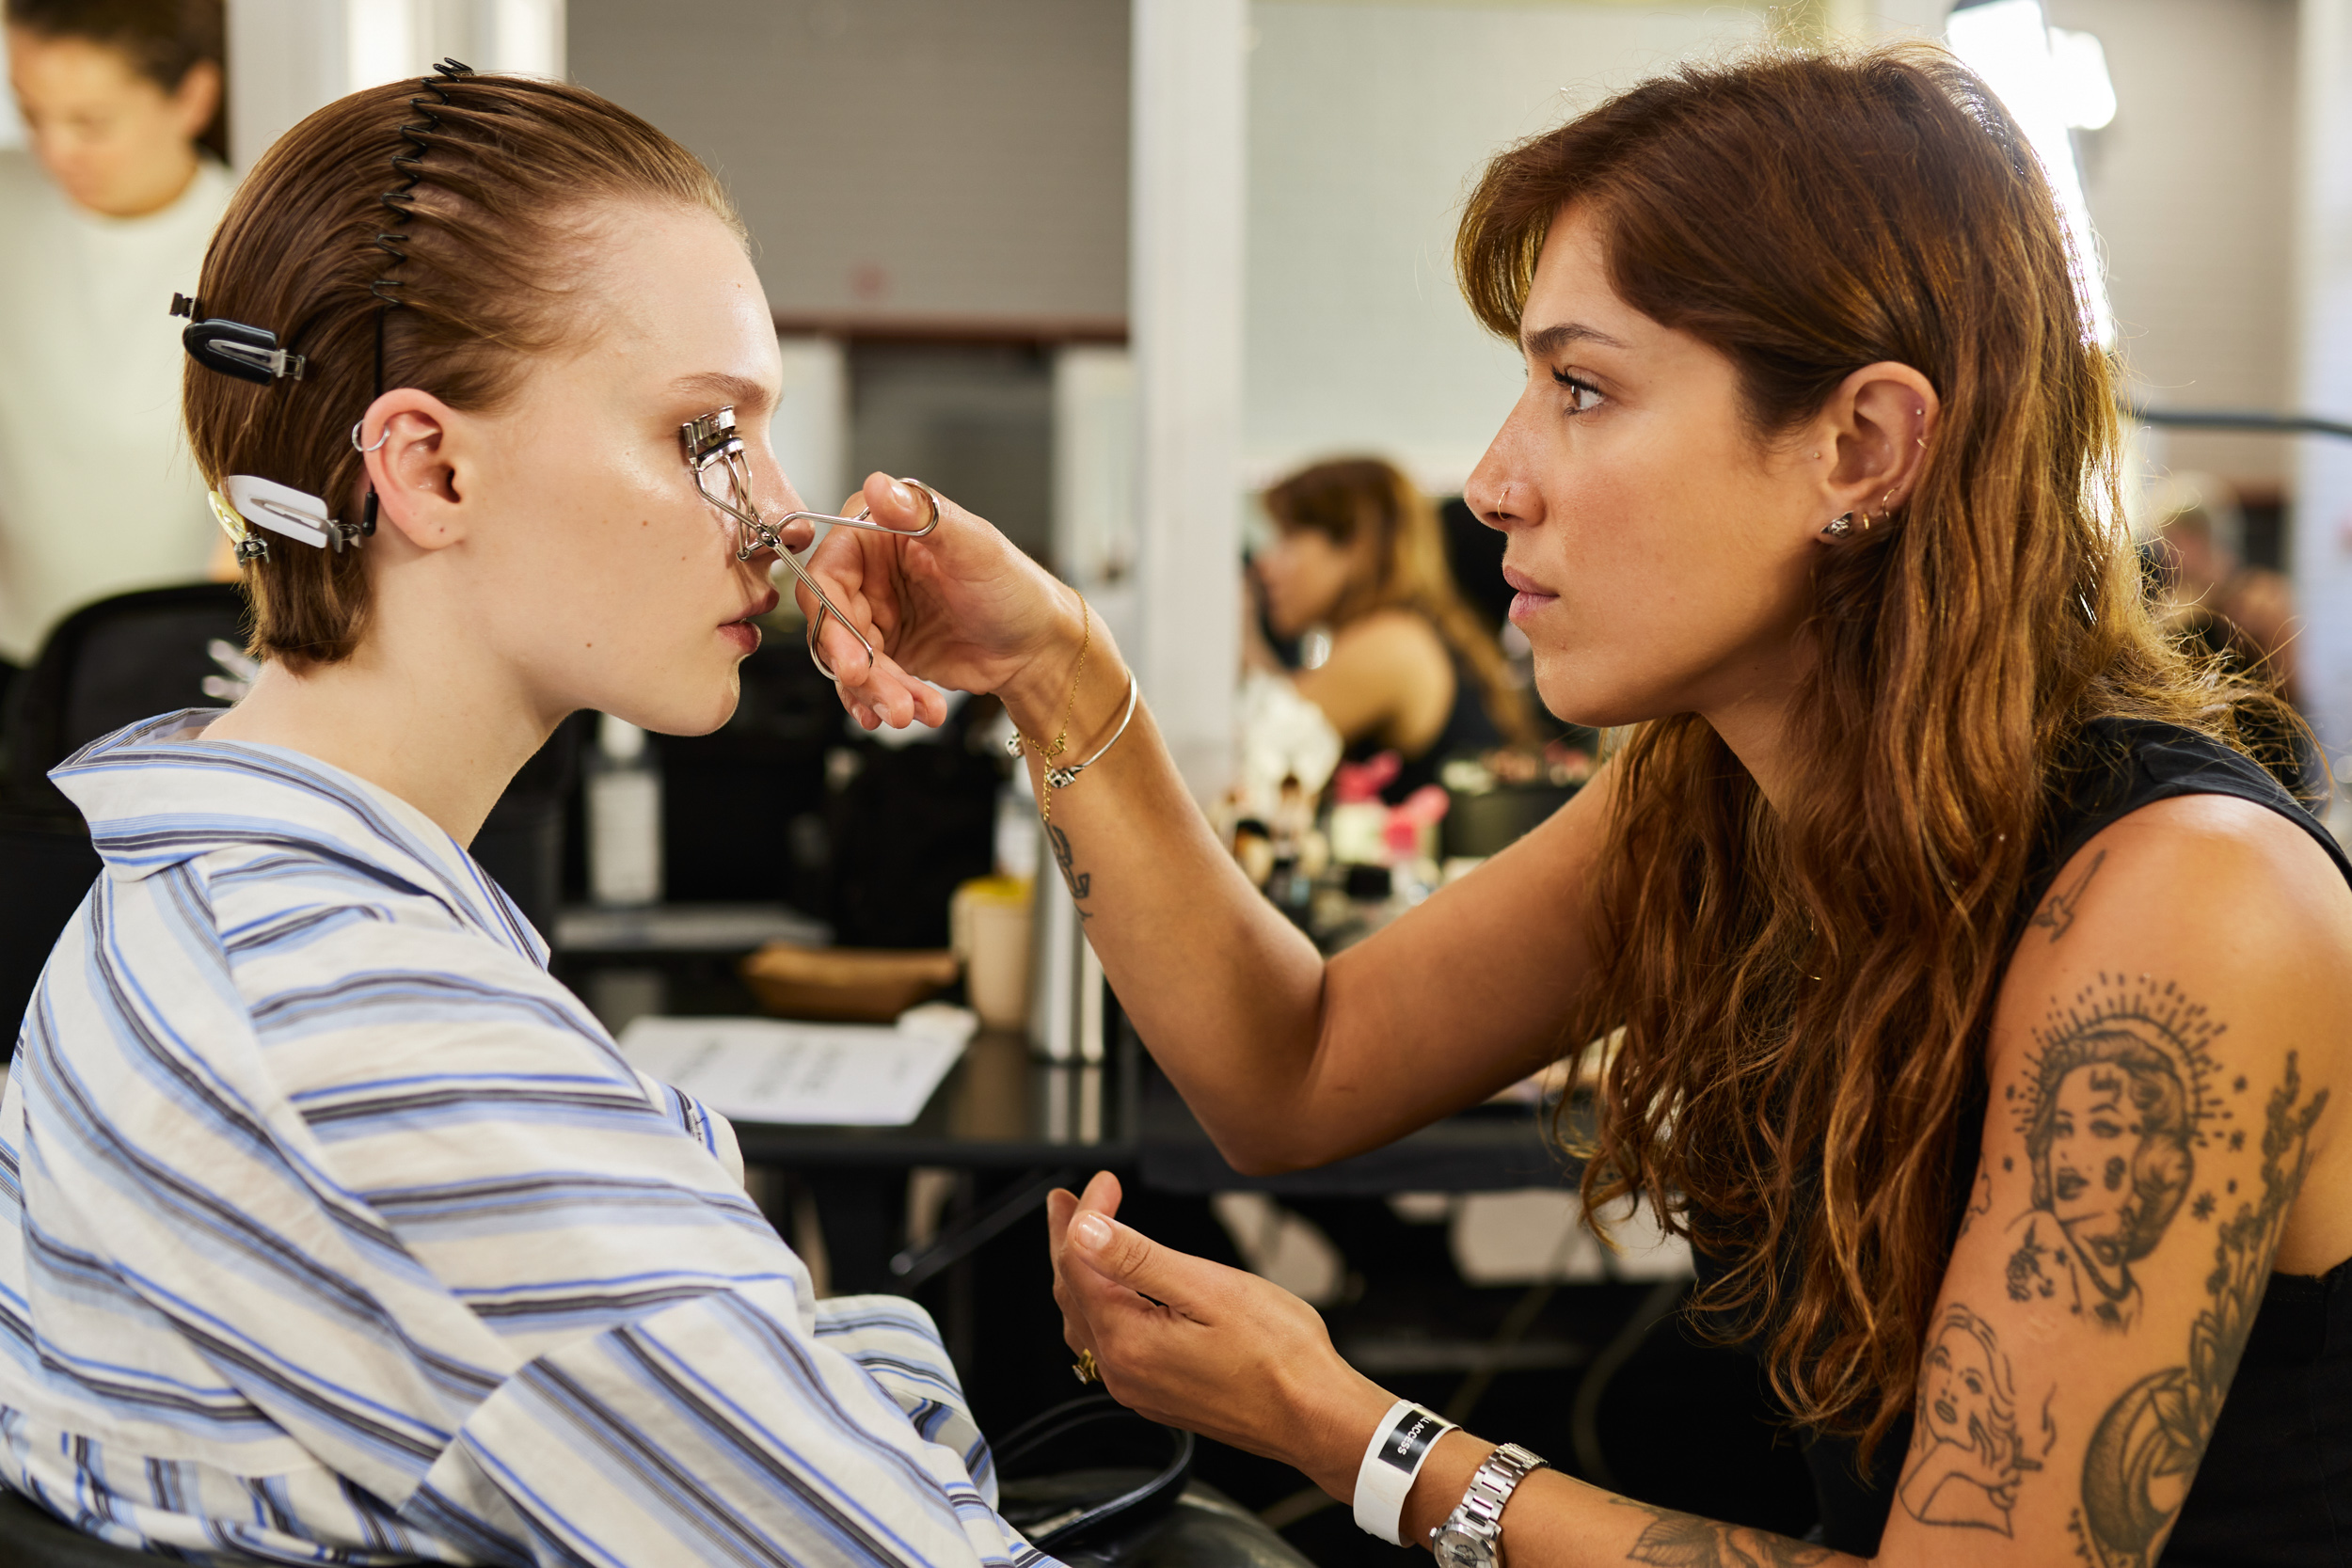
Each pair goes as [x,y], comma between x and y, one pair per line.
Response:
[233,348]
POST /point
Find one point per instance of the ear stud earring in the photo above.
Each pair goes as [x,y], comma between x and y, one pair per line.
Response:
[1837,528]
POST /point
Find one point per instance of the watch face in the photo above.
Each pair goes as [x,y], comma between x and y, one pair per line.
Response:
[1458,1548]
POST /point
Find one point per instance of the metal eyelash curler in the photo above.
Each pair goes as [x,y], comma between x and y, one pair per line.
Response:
[711,441]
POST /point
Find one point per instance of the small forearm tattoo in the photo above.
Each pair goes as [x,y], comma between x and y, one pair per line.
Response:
[1673,1540]
[1971,1444]
[1081,883]
[2056,916]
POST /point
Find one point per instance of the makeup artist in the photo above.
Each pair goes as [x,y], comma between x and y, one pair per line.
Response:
[1978,1005]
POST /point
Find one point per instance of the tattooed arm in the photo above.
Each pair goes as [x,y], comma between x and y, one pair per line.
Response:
[2160,1138]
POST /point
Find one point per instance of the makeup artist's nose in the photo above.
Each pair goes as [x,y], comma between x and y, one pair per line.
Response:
[1496,492]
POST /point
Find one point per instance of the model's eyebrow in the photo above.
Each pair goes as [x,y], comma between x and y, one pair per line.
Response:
[720,388]
[1547,341]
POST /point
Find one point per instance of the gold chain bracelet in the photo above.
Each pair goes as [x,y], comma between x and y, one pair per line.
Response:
[1017,742]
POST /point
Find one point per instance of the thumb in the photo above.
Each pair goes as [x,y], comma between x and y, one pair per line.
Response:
[1119,1254]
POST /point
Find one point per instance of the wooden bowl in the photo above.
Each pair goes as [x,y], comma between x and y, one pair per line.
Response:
[854,985]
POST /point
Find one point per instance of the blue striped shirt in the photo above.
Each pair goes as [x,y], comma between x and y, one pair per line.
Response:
[333,1228]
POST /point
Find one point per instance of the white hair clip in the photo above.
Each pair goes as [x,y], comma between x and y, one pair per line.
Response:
[282,510]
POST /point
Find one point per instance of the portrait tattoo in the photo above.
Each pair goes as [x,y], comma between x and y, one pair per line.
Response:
[2116,1103]
[1080,883]
[2145,1449]
[2057,912]
[1967,1454]
[1673,1540]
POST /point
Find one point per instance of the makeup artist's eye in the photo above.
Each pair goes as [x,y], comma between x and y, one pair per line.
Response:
[1583,397]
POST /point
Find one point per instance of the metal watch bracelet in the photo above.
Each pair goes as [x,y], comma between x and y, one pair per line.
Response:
[1471,1535]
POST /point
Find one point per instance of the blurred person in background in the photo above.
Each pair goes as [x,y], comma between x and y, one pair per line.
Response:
[2208,598]
[1357,549]
[2202,574]
[99,223]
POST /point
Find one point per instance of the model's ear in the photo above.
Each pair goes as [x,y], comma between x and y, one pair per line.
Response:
[1875,432]
[411,466]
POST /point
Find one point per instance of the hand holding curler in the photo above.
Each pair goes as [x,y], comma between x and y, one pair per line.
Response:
[962,607]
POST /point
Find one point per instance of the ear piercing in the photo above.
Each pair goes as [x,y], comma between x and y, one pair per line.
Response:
[1838,528]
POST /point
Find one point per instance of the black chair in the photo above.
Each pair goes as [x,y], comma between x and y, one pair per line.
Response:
[31,1537]
[137,655]
[108,664]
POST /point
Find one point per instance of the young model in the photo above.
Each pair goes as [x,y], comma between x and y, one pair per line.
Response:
[332,1226]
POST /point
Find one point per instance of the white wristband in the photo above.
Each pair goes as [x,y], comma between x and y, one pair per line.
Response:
[1399,1446]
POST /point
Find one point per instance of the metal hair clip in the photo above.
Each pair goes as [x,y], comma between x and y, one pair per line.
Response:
[233,348]
[711,442]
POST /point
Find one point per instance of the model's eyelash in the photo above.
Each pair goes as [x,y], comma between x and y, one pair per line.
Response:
[1582,388]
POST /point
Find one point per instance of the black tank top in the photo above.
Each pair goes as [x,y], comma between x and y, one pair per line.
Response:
[2275,1484]
[1470,729]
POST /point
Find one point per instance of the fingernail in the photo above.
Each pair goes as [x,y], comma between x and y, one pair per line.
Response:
[1092,1229]
[901,494]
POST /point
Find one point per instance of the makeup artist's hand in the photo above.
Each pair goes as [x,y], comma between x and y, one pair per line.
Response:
[962,607]
[1194,1344]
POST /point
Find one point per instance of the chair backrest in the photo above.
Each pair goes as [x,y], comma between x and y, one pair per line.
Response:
[113,663]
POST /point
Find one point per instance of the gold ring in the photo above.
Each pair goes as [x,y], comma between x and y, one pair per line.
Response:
[1084,1369]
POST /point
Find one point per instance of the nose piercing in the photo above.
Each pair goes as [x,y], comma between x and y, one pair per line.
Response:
[711,442]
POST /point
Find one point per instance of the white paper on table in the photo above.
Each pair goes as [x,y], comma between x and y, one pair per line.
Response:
[803,1075]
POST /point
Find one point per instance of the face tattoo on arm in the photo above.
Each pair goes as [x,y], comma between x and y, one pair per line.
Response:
[1967,1453]
[2112,1116]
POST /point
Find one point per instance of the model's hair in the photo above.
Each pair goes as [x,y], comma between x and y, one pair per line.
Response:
[1805,993]
[1348,498]
[520,181]
[162,39]
[2161,1165]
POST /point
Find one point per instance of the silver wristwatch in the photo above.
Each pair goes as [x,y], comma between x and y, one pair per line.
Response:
[1471,1536]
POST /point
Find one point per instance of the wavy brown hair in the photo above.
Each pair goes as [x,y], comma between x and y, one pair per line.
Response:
[1804,996]
[1348,497]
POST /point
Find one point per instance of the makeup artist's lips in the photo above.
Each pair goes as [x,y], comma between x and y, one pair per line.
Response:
[1531,595]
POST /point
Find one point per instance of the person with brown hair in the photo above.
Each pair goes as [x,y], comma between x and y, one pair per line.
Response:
[127,176]
[1359,549]
[1812,483]
[332,1226]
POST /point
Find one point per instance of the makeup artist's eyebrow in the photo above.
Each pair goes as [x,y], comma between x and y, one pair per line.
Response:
[723,388]
[1552,340]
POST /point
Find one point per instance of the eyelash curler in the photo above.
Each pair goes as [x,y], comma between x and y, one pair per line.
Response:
[712,442]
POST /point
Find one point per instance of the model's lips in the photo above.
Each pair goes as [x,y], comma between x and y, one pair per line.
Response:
[1530,597]
[744,631]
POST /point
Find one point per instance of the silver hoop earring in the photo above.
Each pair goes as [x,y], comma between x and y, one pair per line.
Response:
[379,440]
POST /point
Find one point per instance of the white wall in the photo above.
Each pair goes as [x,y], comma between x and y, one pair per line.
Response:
[2191,190]
[2323,256]
[1368,123]
[896,158]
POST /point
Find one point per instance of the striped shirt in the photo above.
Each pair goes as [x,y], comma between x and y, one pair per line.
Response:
[331,1223]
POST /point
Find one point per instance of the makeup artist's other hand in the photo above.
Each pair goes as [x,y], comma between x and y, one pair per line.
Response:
[962,607]
[1194,1344]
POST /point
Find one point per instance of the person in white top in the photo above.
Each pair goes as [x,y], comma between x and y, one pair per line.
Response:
[107,217]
